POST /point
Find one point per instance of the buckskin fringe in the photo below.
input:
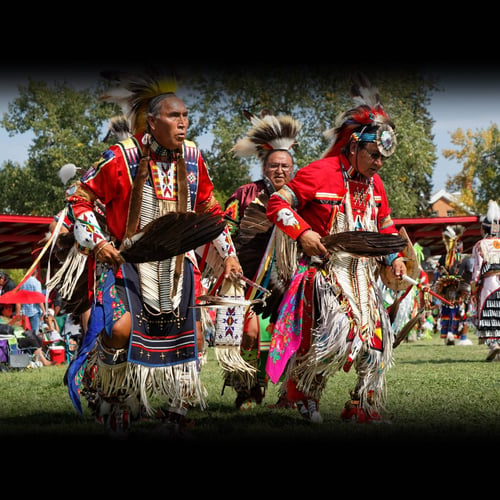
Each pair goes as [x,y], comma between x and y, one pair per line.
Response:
[231,362]
[180,384]
[69,273]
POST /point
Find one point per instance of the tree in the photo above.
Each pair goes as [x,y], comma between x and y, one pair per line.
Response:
[68,127]
[479,179]
[314,95]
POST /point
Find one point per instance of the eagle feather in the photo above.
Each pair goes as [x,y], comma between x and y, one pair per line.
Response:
[173,234]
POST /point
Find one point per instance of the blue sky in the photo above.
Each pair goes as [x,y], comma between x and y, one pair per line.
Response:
[470,100]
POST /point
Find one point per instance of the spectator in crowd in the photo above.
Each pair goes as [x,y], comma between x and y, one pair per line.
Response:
[50,327]
[33,312]
[6,284]
[25,339]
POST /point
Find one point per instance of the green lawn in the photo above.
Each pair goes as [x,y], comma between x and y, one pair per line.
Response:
[436,393]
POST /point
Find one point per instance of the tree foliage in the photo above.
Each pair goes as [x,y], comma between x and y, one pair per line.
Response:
[68,125]
[68,128]
[479,179]
[315,95]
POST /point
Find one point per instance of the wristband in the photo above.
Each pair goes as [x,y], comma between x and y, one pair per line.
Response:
[102,246]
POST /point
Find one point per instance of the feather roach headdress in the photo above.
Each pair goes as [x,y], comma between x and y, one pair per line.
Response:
[491,222]
[451,239]
[368,122]
[134,92]
[268,133]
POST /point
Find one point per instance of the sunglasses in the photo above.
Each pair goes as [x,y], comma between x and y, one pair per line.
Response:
[375,156]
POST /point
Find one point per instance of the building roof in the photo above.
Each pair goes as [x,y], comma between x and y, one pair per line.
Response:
[20,234]
[428,231]
[451,199]
[19,237]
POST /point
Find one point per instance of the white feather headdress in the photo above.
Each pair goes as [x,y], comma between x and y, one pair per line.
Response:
[268,133]
[368,113]
[491,222]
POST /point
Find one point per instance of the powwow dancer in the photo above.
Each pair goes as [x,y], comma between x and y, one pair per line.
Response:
[332,315]
[451,286]
[486,282]
[141,340]
[271,139]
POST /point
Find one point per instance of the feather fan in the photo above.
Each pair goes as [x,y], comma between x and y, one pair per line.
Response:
[173,234]
[252,238]
[254,221]
[251,241]
[364,243]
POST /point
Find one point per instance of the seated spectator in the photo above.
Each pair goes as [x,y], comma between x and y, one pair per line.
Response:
[50,327]
[26,339]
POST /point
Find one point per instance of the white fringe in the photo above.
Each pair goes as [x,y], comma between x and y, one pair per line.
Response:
[330,350]
[69,273]
[230,360]
[329,347]
[490,254]
[180,385]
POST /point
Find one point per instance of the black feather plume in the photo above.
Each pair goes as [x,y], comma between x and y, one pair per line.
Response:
[363,92]
[173,234]
[364,243]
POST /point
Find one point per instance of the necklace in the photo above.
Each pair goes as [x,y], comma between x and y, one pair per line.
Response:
[166,155]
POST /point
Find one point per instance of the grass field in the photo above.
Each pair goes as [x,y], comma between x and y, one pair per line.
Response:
[436,394]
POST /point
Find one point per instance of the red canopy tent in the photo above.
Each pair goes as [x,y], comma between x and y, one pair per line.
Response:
[428,231]
[19,237]
[20,234]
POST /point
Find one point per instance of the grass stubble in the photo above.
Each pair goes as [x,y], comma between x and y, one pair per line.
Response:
[437,395]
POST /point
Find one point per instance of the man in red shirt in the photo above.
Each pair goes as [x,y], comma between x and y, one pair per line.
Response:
[332,315]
